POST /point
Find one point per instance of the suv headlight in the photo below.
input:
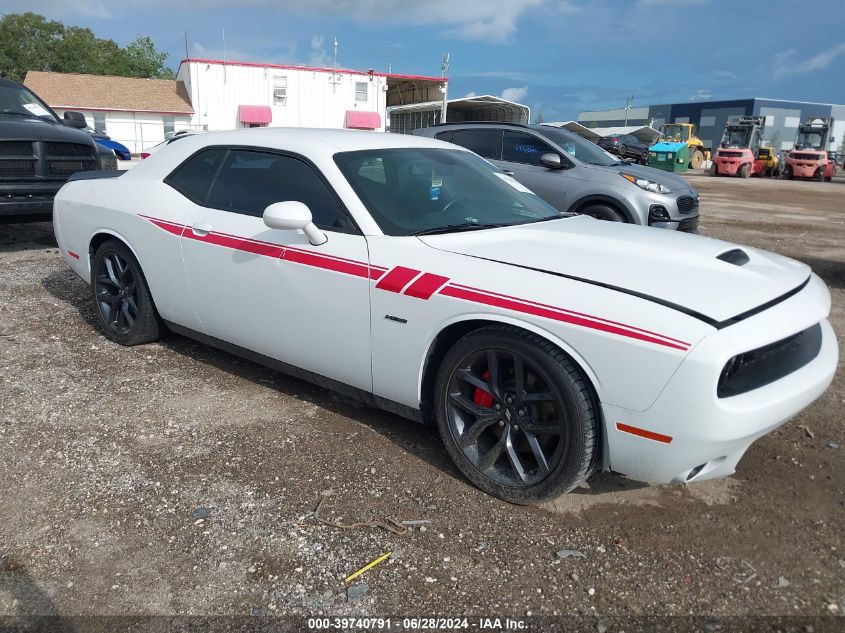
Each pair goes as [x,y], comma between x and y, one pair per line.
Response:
[645,183]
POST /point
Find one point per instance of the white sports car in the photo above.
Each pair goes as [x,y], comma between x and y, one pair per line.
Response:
[413,274]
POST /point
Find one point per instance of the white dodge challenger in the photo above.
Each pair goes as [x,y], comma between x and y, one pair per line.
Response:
[413,274]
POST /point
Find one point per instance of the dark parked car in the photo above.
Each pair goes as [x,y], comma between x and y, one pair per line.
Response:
[38,153]
[625,146]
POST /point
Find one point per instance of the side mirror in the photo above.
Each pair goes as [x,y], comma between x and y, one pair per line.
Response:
[551,160]
[75,119]
[293,216]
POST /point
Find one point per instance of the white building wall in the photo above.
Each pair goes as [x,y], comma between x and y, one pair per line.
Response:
[314,98]
[138,131]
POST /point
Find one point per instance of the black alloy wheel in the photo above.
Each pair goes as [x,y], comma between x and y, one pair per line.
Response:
[515,415]
[125,309]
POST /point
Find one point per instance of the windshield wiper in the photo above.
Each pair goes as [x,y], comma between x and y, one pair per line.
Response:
[456,228]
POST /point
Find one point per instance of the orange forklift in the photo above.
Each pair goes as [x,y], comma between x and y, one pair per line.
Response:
[739,151]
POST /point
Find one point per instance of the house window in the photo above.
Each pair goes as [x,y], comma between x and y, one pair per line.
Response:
[361,91]
[169,122]
[100,122]
[280,91]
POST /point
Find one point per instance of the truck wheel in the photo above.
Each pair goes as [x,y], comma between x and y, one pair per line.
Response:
[696,159]
[644,158]
[745,171]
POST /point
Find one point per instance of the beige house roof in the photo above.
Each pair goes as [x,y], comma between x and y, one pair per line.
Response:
[106,92]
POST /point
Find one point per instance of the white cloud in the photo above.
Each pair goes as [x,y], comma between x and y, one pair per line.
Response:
[702,95]
[319,56]
[470,95]
[785,67]
[489,21]
[515,94]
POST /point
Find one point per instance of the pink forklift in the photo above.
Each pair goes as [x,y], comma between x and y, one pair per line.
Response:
[809,156]
[738,153]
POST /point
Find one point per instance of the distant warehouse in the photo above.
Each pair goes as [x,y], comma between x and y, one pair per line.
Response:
[782,118]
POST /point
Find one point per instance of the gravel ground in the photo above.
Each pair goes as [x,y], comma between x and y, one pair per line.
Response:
[176,479]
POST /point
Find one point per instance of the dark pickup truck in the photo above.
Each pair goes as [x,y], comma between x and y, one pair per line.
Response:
[38,152]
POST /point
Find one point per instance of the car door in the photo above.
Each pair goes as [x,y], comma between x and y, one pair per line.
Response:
[521,154]
[271,291]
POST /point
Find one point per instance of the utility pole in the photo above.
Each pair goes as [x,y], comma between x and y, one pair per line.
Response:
[628,107]
[444,68]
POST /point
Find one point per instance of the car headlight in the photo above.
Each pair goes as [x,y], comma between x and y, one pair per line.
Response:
[645,183]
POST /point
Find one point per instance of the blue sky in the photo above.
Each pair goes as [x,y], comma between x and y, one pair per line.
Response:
[558,56]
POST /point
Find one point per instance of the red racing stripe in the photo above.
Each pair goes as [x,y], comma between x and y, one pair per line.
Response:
[649,435]
[170,227]
[397,279]
[588,316]
[425,286]
[358,269]
[548,313]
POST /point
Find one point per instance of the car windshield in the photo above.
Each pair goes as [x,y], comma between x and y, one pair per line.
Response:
[577,146]
[676,132]
[17,100]
[809,140]
[411,191]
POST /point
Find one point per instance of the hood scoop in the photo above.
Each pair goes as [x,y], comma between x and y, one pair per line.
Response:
[735,256]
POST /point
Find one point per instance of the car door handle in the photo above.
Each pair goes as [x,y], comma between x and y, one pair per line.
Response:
[201,229]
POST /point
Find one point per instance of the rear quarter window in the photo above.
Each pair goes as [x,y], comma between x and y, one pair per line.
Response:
[193,177]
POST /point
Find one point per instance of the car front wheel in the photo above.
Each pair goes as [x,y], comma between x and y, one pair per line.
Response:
[125,310]
[516,415]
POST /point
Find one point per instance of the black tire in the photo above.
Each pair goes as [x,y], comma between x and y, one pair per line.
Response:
[126,313]
[820,175]
[787,173]
[603,212]
[644,157]
[745,171]
[565,408]
[714,170]
[623,151]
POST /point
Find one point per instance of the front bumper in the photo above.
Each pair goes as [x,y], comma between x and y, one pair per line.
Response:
[687,225]
[22,206]
[700,436]
[804,170]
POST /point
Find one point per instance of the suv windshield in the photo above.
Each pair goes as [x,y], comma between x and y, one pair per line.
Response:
[17,100]
[411,191]
[577,146]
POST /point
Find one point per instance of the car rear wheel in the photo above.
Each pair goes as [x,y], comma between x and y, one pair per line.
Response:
[603,212]
[644,157]
[516,415]
[622,150]
[126,313]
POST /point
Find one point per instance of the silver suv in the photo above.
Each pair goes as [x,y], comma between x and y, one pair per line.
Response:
[575,175]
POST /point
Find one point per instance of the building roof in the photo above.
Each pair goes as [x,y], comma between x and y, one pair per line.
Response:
[319,69]
[107,92]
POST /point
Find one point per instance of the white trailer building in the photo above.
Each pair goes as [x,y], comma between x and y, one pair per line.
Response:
[230,94]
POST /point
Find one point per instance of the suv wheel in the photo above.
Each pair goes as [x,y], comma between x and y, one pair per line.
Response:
[603,212]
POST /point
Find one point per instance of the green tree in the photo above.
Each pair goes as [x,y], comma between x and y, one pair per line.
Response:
[29,41]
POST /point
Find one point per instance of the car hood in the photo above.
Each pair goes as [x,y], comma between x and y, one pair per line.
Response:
[18,128]
[676,269]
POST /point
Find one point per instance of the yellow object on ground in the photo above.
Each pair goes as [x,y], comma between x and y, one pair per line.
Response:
[366,567]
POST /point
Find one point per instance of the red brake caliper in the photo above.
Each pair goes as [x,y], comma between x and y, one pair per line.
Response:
[481,397]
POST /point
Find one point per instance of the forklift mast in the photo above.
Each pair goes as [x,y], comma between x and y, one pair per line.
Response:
[814,134]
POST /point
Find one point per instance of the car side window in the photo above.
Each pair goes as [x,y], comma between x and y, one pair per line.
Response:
[193,177]
[486,143]
[444,136]
[251,180]
[519,147]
